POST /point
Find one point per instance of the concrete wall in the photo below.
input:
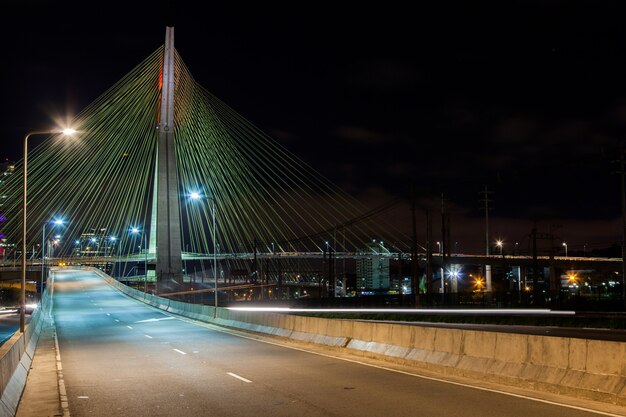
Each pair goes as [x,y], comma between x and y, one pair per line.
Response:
[16,355]
[582,368]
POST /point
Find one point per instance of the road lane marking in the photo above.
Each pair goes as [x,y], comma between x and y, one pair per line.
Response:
[65,407]
[239,377]
[117,320]
[180,351]
[535,399]
[151,320]
[108,314]
[148,336]
[540,400]
[130,327]
[83,397]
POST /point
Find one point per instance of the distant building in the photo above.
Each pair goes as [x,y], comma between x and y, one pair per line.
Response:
[372,272]
[95,244]
[6,168]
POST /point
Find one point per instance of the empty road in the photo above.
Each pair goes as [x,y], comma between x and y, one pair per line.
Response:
[123,358]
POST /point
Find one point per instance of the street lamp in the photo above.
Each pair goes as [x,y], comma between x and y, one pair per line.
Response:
[135,231]
[112,239]
[56,222]
[565,245]
[500,244]
[197,196]
[439,247]
[24,208]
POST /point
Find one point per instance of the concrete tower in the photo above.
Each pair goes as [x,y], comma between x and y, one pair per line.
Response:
[167,201]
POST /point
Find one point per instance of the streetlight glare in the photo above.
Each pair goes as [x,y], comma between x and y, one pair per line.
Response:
[68,131]
[134,230]
[194,195]
[58,222]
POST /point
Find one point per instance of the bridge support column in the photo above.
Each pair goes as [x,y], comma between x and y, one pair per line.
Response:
[168,235]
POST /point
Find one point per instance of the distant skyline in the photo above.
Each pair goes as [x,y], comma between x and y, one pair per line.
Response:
[528,98]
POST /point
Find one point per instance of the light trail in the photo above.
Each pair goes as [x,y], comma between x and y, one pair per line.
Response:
[486,311]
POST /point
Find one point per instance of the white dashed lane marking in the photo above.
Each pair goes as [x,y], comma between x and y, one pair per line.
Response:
[180,351]
[239,377]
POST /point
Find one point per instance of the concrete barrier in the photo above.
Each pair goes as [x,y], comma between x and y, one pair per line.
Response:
[16,356]
[591,369]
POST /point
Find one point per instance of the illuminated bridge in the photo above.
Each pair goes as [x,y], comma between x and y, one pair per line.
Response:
[160,167]
[163,172]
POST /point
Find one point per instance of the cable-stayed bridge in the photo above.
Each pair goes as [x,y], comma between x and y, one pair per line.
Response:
[160,166]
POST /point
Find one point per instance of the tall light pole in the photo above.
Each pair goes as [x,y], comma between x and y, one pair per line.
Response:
[143,236]
[500,244]
[112,239]
[194,195]
[24,208]
[43,248]
[214,253]
[565,245]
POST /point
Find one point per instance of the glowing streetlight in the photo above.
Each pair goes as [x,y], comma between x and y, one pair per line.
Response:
[500,244]
[56,222]
[194,195]
[565,245]
[112,240]
[80,246]
[142,235]
[24,211]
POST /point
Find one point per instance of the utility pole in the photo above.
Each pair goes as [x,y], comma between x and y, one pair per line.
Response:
[255,268]
[535,265]
[414,264]
[331,273]
[622,172]
[444,246]
[429,253]
[486,193]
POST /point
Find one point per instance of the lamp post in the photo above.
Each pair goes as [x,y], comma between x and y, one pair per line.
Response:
[43,248]
[112,240]
[143,236]
[500,244]
[565,245]
[214,253]
[196,196]
[24,208]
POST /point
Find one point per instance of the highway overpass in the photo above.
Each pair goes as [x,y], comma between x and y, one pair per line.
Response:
[122,357]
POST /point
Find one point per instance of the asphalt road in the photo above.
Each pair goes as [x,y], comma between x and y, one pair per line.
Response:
[123,358]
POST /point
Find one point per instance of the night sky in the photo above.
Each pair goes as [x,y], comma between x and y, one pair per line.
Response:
[527,98]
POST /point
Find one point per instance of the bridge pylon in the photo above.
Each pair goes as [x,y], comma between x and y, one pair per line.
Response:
[166,201]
